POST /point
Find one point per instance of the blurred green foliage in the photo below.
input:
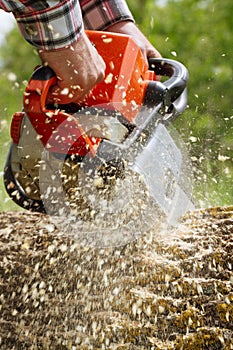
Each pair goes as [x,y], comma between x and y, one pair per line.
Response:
[17,61]
[199,34]
[195,32]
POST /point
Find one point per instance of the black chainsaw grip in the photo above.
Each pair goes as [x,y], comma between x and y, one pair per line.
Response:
[173,87]
[43,73]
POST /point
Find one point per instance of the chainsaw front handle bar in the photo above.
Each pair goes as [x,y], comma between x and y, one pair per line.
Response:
[172,92]
[176,71]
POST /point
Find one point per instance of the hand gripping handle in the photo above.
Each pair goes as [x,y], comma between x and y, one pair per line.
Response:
[49,123]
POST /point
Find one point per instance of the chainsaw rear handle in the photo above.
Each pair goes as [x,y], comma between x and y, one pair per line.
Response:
[43,78]
[172,88]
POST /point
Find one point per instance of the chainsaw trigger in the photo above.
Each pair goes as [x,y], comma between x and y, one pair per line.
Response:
[16,126]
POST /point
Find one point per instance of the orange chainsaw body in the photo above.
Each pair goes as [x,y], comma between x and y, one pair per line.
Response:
[123,89]
[126,75]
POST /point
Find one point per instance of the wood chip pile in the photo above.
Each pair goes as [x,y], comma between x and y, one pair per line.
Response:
[167,290]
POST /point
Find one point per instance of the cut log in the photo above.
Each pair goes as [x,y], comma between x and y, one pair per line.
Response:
[170,289]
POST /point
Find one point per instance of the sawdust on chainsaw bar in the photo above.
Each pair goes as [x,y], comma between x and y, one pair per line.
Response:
[167,290]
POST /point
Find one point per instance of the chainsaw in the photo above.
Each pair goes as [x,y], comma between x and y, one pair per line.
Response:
[112,163]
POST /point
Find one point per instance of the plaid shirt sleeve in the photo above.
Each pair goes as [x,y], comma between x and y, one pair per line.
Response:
[55,24]
[47,25]
[98,15]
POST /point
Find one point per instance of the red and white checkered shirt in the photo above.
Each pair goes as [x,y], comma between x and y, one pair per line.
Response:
[54,24]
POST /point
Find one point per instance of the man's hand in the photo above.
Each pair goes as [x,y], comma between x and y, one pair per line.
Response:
[78,68]
[129,28]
